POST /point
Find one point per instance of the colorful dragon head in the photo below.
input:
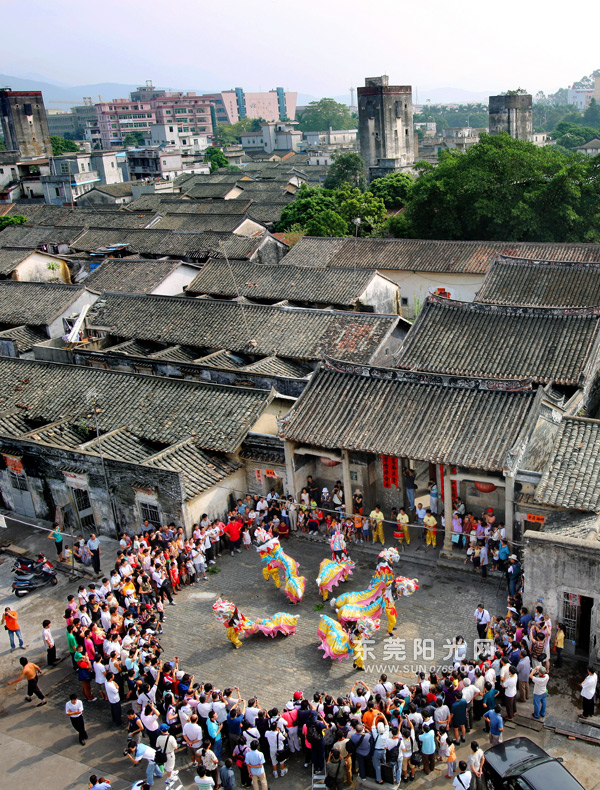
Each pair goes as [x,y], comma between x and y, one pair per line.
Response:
[261,535]
[223,610]
[406,586]
[388,556]
[368,627]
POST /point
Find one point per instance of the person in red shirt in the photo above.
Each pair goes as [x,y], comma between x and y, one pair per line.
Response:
[234,533]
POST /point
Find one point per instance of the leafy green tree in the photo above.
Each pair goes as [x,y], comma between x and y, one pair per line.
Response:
[354,204]
[591,117]
[327,223]
[310,203]
[2,145]
[325,113]
[134,138]
[571,135]
[505,189]
[230,133]
[347,169]
[62,146]
[393,189]
[15,219]
[216,157]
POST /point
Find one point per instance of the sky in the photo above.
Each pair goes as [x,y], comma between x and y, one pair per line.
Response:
[315,48]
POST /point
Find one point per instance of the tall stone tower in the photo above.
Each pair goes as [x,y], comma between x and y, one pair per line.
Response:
[24,123]
[385,121]
[512,113]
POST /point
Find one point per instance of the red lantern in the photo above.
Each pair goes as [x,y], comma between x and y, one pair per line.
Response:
[485,488]
[329,462]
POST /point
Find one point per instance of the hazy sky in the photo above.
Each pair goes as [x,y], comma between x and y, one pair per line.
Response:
[319,48]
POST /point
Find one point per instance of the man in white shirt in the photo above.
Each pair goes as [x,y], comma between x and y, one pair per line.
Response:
[482,618]
[192,735]
[588,691]
[251,713]
[539,678]
[463,780]
[384,687]
[74,710]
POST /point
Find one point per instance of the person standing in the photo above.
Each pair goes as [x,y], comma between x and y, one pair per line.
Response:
[11,623]
[255,760]
[376,517]
[559,644]
[539,677]
[463,778]
[93,545]
[114,698]
[430,523]
[410,483]
[167,744]
[427,739]
[56,536]
[496,724]
[482,617]
[476,762]
[30,673]
[523,671]
[484,560]
[402,519]
[433,496]
[49,643]
[74,710]
[588,691]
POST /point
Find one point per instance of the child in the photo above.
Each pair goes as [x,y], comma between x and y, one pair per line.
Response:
[350,531]
[161,610]
[246,539]
[451,758]
[476,557]
[470,553]
[443,744]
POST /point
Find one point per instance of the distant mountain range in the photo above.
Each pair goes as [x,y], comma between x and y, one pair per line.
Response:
[61,97]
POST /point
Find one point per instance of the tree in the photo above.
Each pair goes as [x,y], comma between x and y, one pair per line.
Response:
[354,204]
[325,113]
[327,223]
[571,135]
[310,203]
[62,146]
[346,169]
[15,219]
[230,133]
[135,139]
[507,190]
[2,145]
[591,116]
[216,157]
[392,189]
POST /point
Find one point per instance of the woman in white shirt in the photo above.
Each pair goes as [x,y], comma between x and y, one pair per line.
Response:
[276,743]
[149,717]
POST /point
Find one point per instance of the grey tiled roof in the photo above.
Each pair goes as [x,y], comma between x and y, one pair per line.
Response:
[196,246]
[201,222]
[42,214]
[275,366]
[205,207]
[156,409]
[541,283]
[216,191]
[121,445]
[200,470]
[262,211]
[294,333]
[128,275]
[414,415]
[62,434]
[116,190]
[261,281]
[572,475]
[499,341]
[474,257]
[34,235]
[222,359]
[25,337]
[35,304]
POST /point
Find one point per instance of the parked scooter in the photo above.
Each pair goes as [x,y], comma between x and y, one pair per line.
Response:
[25,584]
[23,566]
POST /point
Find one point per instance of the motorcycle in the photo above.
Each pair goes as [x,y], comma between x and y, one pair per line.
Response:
[25,584]
[23,566]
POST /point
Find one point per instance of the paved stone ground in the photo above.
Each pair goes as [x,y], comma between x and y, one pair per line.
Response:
[40,743]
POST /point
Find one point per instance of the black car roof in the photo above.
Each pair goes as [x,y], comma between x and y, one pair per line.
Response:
[550,775]
[523,757]
[504,756]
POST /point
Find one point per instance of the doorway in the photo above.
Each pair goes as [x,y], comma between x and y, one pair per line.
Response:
[577,618]
[585,625]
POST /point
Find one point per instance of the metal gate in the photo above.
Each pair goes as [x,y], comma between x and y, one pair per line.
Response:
[21,495]
[570,614]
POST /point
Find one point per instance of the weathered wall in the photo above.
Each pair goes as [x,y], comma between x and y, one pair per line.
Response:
[217,501]
[416,286]
[512,114]
[56,328]
[382,295]
[177,281]
[39,268]
[45,469]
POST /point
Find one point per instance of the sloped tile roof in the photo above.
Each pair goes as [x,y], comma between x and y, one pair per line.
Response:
[474,257]
[261,281]
[25,337]
[239,207]
[572,475]
[275,366]
[541,283]
[221,359]
[121,445]
[35,304]
[216,191]
[156,409]
[296,333]
[200,222]
[200,470]
[34,235]
[129,275]
[262,211]
[439,419]
[499,341]
[62,434]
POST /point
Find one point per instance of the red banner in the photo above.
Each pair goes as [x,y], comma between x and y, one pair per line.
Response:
[389,468]
[259,475]
[13,463]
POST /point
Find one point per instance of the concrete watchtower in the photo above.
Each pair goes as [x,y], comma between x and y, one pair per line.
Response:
[512,113]
[385,119]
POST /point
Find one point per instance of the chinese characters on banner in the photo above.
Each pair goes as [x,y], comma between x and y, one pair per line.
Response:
[270,473]
[389,467]
[259,475]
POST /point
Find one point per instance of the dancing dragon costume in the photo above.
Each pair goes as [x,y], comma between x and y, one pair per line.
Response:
[332,572]
[238,624]
[270,551]
[339,643]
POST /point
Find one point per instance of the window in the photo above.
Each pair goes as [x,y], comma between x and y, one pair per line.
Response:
[150,512]
[18,481]
[84,508]
[404,301]
[57,190]
[64,168]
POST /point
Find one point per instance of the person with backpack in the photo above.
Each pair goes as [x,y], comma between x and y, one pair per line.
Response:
[239,757]
[166,745]
[334,770]
[314,737]
[359,746]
